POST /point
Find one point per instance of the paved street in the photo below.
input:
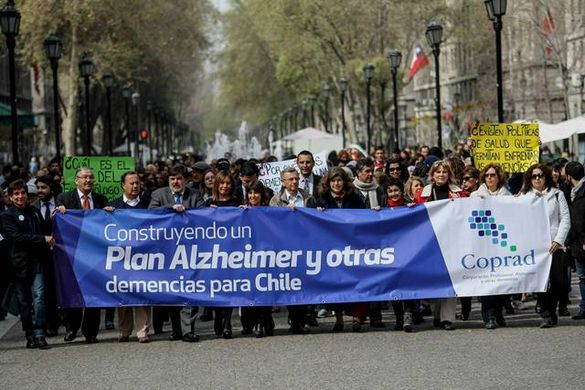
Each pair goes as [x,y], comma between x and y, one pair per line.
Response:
[519,356]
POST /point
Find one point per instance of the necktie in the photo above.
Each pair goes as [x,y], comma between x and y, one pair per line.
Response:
[47,214]
[306,184]
[86,205]
[177,198]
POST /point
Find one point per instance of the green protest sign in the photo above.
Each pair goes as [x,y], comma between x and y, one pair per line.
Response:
[106,170]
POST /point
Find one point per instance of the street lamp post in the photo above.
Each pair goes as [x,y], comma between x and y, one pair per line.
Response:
[135,99]
[86,69]
[434,34]
[395,57]
[108,80]
[343,88]
[327,94]
[495,10]
[304,103]
[368,75]
[126,94]
[10,25]
[53,50]
[149,124]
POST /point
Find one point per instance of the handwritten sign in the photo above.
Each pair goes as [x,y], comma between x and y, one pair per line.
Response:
[270,172]
[107,172]
[514,146]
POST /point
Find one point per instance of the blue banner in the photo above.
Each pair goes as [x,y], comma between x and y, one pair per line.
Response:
[258,256]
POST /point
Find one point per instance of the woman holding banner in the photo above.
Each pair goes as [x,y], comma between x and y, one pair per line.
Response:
[441,187]
[538,182]
[257,319]
[493,183]
[223,195]
[337,192]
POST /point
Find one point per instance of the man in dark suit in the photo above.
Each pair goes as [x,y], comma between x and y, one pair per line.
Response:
[249,173]
[46,204]
[309,182]
[131,199]
[21,225]
[575,173]
[82,198]
[178,197]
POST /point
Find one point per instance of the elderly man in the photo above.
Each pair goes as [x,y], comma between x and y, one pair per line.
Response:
[291,196]
[178,197]
[21,225]
[131,199]
[82,198]
[308,181]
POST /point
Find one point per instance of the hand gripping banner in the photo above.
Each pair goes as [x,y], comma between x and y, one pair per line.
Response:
[276,256]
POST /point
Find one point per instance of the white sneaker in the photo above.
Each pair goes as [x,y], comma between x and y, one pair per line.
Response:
[322,313]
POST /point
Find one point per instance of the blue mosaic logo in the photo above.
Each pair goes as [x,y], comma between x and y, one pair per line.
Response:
[486,225]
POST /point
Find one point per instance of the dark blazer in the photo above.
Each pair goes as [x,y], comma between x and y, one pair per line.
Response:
[316,181]
[576,237]
[70,200]
[380,195]
[350,201]
[25,240]
[118,203]
[46,225]
[163,198]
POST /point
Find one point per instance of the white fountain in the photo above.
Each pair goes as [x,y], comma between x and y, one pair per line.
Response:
[239,148]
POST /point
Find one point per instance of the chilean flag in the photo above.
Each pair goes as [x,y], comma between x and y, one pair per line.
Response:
[419,61]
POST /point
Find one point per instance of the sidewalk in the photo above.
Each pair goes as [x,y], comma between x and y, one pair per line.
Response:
[7,324]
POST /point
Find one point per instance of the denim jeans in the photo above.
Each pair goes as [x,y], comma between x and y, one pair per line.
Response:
[580,265]
[31,301]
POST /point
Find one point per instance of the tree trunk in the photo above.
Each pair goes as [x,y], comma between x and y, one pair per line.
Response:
[70,121]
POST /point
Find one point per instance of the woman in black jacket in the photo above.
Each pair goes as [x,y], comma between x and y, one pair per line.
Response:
[337,192]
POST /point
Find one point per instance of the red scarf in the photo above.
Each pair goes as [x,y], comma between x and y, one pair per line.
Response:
[392,203]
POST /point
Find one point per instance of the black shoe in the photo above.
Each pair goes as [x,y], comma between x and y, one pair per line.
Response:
[227,334]
[554,319]
[42,343]
[246,330]
[30,342]
[91,340]
[70,336]
[175,337]
[259,332]
[564,312]
[491,324]
[191,337]
[579,316]
[109,325]
[501,321]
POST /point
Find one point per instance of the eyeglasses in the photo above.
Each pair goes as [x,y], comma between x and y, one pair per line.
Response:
[88,178]
[490,175]
[467,178]
[537,176]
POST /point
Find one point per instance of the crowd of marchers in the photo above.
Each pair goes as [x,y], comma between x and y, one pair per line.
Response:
[31,199]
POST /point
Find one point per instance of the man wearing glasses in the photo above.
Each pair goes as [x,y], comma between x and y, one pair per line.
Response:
[82,198]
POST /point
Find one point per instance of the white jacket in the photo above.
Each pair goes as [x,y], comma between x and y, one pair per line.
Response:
[483,192]
[558,213]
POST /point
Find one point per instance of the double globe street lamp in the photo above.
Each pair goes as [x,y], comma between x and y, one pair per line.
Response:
[368,75]
[495,10]
[86,70]
[109,80]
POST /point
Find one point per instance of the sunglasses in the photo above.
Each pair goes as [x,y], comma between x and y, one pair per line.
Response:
[537,176]
[466,178]
[393,169]
[490,175]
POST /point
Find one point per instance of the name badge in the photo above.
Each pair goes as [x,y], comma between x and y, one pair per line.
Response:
[21,217]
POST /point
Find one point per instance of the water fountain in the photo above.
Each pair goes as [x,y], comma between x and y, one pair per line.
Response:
[239,148]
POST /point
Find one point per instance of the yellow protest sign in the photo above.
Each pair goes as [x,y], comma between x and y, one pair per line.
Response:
[514,146]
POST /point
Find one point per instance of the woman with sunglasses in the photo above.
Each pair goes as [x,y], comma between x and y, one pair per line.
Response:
[493,183]
[470,179]
[538,182]
[441,187]
[395,169]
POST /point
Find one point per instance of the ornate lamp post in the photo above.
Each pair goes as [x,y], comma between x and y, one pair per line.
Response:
[86,70]
[312,101]
[53,50]
[343,88]
[368,75]
[395,57]
[434,34]
[495,10]
[108,80]
[149,124]
[327,95]
[10,25]
[135,100]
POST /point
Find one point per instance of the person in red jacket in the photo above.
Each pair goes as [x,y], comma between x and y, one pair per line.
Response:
[441,187]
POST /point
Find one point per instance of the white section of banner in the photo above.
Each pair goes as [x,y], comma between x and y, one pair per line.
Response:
[270,172]
[497,245]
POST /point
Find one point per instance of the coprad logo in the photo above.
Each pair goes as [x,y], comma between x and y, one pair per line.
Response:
[486,226]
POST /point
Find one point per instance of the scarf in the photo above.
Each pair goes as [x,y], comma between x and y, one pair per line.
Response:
[398,203]
[370,189]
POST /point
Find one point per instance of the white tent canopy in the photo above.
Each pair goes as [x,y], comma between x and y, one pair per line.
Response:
[313,140]
[559,131]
